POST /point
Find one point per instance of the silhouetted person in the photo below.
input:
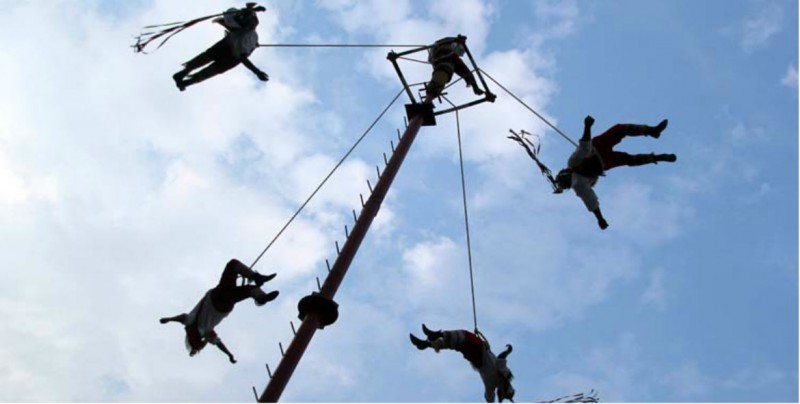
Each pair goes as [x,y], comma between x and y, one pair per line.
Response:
[493,369]
[217,303]
[594,156]
[240,41]
[445,57]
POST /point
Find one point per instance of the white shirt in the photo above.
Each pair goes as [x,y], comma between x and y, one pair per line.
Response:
[206,316]
[490,374]
[243,43]
[582,185]
[438,52]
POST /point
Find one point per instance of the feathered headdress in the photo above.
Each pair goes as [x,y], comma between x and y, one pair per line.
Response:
[576,398]
[533,151]
[167,31]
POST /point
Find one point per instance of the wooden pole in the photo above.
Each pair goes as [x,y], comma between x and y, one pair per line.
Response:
[311,322]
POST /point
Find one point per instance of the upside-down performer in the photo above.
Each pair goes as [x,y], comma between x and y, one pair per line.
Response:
[493,369]
[217,303]
[594,156]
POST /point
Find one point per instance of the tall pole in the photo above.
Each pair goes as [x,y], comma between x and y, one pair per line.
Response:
[313,319]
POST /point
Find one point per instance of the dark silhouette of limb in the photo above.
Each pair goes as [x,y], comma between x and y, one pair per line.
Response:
[601,221]
[226,294]
[630,129]
[180,318]
[464,72]
[421,344]
[250,66]
[218,343]
[652,158]
[432,335]
[587,128]
[216,68]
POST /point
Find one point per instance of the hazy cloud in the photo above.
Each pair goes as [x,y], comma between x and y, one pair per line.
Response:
[759,28]
[790,79]
[656,293]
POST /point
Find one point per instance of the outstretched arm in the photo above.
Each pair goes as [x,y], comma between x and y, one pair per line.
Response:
[587,128]
[180,318]
[218,343]
[583,189]
[261,75]
[601,221]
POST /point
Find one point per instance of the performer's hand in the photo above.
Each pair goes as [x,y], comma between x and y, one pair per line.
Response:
[262,76]
[602,223]
[230,357]
[588,121]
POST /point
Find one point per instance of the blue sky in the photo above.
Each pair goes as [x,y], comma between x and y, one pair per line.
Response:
[121,199]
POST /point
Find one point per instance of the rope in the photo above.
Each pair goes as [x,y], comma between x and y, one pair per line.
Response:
[326,178]
[466,223]
[414,60]
[294,45]
[530,109]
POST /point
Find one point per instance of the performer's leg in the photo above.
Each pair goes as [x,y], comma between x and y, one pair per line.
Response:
[217,51]
[463,71]
[238,268]
[251,291]
[633,129]
[652,158]
[442,74]
[218,67]
[604,144]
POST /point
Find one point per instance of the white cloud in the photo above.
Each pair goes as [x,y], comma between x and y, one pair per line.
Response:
[790,79]
[753,378]
[656,293]
[12,189]
[646,214]
[130,216]
[763,189]
[123,199]
[688,381]
[759,28]
[747,133]
[613,369]
[621,370]
[556,18]
[428,263]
